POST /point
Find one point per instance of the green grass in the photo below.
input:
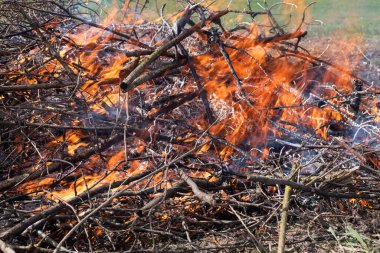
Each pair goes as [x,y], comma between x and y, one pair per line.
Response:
[342,16]
[353,241]
[350,17]
[347,16]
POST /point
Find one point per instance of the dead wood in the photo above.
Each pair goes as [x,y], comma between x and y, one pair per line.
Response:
[194,187]
[157,72]
[129,135]
[29,87]
[19,228]
[6,248]
[127,83]
[197,79]
[55,166]
[83,21]
[282,37]
[294,185]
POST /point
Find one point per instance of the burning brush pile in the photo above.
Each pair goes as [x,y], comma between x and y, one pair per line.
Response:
[179,133]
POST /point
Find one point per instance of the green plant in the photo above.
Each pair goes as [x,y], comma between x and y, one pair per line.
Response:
[352,240]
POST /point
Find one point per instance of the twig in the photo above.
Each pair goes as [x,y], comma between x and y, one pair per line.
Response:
[208,198]
[284,213]
[6,248]
[297,186]
[126,85]
[258,245]
[20,227]
[131,40]
[232,69]
[40,86]
[119,193]
[198,82]
[157,72]
[17,180]
[361,158]
[50,240]
[34,23]
[282,37]
[168,193]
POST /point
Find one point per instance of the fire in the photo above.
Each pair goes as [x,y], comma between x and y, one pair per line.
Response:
[262,91]
[362,202]
[73,140]
[274,91]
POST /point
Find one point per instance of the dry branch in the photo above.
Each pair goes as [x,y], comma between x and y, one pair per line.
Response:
[55,166]
[296,186]
[20,227]
[127,85]
[6,248]
[29,87]
[181,159]
[200,194]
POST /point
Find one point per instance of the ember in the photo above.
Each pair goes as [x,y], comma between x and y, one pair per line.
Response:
[138,134]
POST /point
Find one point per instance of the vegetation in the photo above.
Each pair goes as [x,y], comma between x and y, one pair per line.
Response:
[350,17]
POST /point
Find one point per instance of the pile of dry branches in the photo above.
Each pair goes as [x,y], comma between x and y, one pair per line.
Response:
[178,134]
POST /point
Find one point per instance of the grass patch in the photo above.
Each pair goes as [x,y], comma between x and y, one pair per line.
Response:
[351,240]
[358,17]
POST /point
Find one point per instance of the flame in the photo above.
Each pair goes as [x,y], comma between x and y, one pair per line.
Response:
[73,140]
[269,100]
[240,121]
[362,202]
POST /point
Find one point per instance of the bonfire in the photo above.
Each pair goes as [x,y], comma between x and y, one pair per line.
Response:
[124,132]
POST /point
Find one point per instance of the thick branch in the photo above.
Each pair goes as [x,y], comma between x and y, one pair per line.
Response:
[128,85]
[208,198]
[40,86]
[297,186]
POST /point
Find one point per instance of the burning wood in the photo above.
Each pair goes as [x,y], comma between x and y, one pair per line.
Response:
[132,134]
